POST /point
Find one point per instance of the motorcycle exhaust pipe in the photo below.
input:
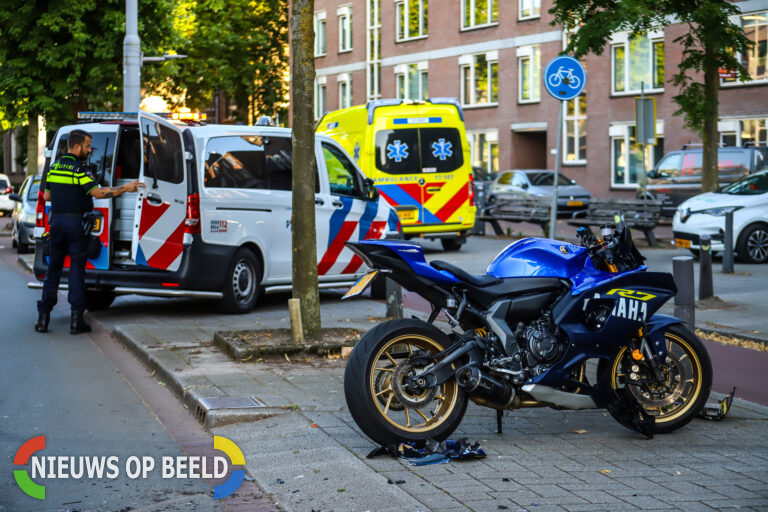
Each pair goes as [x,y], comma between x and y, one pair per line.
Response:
[484,389]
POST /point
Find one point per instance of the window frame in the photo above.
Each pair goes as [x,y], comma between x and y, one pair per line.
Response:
[734,82]
[654,153]
[320,19]
[404,71]
[470,62]
[320,85]
[575,118]
[490,4]
[529,53]
[345,99]
[622,39]
[522,17]
[489,139]
[344,17]
[403,6]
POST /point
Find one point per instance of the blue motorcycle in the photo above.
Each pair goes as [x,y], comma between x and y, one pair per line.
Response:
[522,336]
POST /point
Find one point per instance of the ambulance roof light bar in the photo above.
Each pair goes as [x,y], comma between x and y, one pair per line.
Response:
[373,105]
[94,117]
[448,101]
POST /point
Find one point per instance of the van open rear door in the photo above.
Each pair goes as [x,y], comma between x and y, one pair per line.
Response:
[158,230]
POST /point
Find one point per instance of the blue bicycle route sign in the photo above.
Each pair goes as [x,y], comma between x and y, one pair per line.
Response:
[564,77]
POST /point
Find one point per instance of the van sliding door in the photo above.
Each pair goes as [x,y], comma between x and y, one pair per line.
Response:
[158,230]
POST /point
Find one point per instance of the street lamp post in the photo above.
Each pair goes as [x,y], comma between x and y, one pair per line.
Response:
[133,58]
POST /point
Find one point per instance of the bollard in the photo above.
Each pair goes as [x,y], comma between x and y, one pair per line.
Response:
[705,267]
[682,269]
[297,328]
[394,299]
[728,242]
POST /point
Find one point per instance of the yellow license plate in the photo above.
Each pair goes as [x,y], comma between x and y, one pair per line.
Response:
[361,284]
[575,203]
[96,225]
[407,214]
[681,242]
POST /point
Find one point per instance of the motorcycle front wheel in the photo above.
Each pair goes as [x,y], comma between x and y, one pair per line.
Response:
[376,390]
[687,372]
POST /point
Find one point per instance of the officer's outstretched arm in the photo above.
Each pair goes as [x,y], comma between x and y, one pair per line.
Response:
[107,192]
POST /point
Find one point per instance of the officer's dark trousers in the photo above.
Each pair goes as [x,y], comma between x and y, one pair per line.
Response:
[66,238]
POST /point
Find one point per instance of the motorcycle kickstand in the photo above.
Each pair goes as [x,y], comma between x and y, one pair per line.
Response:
[499,415]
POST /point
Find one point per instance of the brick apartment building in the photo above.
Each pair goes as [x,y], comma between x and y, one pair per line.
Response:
[491,54]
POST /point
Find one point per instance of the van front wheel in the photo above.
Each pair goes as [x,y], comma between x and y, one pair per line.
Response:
[242,284]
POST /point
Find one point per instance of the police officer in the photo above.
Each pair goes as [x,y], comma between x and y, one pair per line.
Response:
[70,188]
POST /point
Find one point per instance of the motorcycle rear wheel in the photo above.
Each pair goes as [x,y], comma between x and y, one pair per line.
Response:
[688,380]
[375,390]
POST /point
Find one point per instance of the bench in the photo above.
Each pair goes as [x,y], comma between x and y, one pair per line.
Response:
[535,210]
[640,214]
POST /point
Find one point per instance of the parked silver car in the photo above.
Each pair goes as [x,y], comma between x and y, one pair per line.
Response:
[24,214]
[539,183]
[6,205]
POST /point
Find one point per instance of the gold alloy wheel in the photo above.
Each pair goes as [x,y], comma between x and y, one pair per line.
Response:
[683,376]
[403,409]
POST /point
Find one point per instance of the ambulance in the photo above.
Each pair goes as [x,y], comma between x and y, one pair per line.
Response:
[418,157]
[214,220]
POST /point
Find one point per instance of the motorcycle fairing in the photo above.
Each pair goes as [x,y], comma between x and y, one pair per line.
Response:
[538,257]
[413,255]
[568,315]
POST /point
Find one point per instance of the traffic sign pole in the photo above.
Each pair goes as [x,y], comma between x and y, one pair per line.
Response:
[564,79]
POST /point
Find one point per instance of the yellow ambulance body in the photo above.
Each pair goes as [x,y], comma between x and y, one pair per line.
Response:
[418,157]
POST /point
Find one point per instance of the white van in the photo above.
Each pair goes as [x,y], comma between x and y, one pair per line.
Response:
[214,219]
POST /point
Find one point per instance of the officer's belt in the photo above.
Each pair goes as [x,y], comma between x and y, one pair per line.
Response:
[67,215]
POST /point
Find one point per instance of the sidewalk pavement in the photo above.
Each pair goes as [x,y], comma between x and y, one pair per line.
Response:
[303,448]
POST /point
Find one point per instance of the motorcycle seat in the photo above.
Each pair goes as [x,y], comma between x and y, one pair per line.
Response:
[480,281]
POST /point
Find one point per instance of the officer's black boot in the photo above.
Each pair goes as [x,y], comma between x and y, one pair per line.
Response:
[78,325]
[42,322]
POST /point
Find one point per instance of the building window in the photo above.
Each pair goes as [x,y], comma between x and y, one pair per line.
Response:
[479,13]
[345,90]
[627,155]
[345,28]
[320,104]
[755,26]
[484,151]
[411,19]
[373,50]
[411,81]
[319,21]
[529,9]
[575,139]
[743,132]
[529,76]
[638,62]
[480,79]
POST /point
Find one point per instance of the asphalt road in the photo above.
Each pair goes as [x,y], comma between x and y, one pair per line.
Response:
[65,388]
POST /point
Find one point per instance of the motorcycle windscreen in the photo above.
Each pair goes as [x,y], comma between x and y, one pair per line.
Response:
[158,231]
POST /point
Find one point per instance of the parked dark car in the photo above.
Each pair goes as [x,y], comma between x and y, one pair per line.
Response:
[23,222]
[571,196]
[677,176]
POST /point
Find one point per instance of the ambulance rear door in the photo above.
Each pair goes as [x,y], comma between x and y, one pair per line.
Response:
[158,230]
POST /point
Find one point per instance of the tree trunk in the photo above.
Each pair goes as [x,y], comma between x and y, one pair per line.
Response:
[709,175]
[33,134]
[304,237]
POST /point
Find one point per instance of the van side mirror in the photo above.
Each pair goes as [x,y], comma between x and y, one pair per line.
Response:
[15,197]
[653,174]
[372,191]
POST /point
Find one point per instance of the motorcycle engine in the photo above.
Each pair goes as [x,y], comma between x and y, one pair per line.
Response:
[539,342]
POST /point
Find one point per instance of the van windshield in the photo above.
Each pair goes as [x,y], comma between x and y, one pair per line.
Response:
[418,150]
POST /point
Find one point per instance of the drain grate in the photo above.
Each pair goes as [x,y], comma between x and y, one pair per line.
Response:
[225,402]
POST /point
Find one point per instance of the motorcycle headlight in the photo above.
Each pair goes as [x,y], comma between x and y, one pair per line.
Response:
[721,211]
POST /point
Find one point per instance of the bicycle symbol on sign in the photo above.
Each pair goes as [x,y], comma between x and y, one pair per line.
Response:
[564,76]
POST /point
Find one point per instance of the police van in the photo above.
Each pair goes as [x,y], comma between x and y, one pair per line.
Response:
[214,220]
[418,157]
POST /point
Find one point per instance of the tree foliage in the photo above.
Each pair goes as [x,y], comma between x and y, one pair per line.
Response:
[60,57]
[710,42]
[238,47]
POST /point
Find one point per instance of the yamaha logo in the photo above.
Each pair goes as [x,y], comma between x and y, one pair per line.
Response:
[563,249]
